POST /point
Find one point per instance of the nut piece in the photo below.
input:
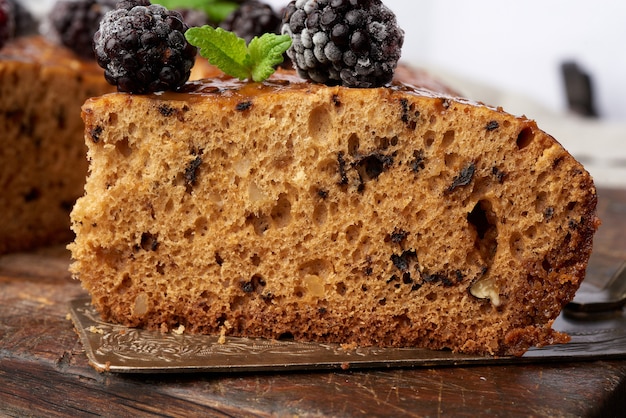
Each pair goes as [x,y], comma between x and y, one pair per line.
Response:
[486,289]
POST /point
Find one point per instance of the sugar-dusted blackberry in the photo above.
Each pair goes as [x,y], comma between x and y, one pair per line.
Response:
[129,4]
[7,22]
[143,48]
[73,23]
[355,43]
[253,18]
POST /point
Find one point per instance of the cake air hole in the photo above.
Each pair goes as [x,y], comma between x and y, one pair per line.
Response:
[429,138]
[341,288]
[482,219]
[316,267]
[530,231]
[516,244]
[319,123]
[385,142]
[403,321]
[281,213]
[370,167]
[201,225]
[260,223]
[540,202]
[149,242]
[112,118]
[160,268]
[258,282]
[353,232]
[285,336]
[125,284]
[448,139]
[123,147]
[169,205]
[450,160]
[525,137]
[353,144]
[320,214]
[431,297]
[299,292]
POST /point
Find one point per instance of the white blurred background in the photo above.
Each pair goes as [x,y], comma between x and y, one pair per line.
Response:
[509,54]
[518,46]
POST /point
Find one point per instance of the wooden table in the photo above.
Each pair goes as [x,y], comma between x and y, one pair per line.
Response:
[44,370]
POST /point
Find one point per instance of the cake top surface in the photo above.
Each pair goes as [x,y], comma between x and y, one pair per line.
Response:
[214,84]
[37,49]
[214,81]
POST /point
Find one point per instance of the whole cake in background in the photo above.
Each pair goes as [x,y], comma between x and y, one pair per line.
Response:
[42,86]
[364,210]
[44,80]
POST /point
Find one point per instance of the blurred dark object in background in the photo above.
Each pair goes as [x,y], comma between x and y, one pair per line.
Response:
[579,89]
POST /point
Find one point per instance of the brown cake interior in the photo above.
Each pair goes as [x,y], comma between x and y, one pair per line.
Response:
[391,216]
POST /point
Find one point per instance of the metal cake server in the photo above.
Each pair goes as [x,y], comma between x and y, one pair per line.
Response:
[591,300]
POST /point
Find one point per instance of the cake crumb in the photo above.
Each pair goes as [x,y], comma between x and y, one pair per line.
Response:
[349,346]
[223,329]
[180,330]
[95,330]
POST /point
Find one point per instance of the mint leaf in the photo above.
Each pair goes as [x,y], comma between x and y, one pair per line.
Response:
[230,54]
[265,53]
[222,48]
[216,10]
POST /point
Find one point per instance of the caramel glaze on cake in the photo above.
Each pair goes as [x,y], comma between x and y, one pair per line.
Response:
[389,217]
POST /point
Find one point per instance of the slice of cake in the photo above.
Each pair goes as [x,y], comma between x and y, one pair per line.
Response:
[391,216]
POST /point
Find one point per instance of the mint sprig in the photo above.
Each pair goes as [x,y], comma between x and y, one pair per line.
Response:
[228,52]
[216,10]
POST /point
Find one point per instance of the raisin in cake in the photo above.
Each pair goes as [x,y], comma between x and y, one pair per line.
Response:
[386,216]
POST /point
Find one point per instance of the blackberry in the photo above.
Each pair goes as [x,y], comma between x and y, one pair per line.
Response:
[73,23]
[7,22]
[143,48]
[129,4]
[25,22]
[355,43]
[253,18]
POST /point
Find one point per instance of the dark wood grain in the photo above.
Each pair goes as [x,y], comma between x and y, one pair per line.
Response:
[44,370]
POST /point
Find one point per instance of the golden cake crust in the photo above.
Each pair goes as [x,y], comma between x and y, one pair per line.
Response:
[391,216]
